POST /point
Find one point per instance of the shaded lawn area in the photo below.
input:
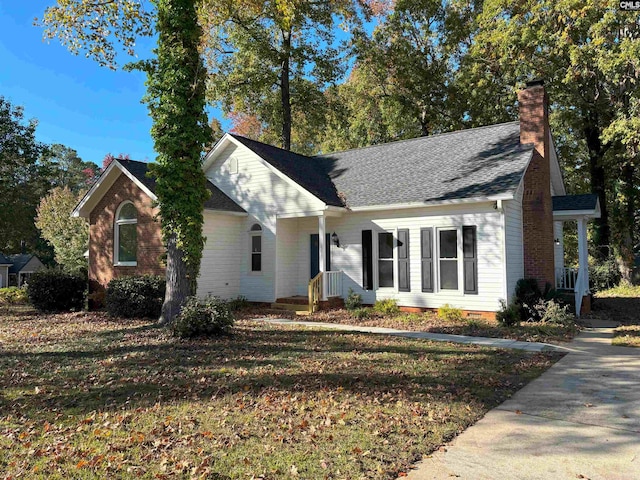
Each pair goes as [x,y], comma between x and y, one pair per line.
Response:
[627,336]
[430,322]
[85,396]
[620,304]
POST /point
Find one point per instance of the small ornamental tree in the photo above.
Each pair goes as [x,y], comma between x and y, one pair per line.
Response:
[68,236]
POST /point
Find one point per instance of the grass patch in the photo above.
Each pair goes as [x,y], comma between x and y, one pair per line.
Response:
[627,336]
[430,322]
[86,396]
[624,290]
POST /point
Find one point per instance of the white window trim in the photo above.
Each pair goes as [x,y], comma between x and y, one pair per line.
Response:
[459,259]
[116,236]
[256,233]
[376,254]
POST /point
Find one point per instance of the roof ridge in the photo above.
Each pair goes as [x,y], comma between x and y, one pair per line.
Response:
[406,140]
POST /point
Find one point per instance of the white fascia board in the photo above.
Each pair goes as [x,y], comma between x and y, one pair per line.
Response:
[79,211]
[210,157]
[226,212]
[576,214]
[556,171]
[436,203]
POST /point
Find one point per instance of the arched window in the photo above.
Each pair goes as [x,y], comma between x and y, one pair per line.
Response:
[256,247]
[126,235]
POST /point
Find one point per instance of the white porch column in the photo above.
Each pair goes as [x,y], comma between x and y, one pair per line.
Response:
[583,254]
[322,264]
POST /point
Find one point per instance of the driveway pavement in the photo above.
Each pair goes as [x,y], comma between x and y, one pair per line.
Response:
[579,420]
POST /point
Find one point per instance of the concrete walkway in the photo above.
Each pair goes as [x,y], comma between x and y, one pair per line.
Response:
[437,337]
[579,420]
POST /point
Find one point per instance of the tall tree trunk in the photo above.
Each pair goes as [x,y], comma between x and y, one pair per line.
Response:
[601,230]
[285,93]
[628,189]
[179,282]
[424,123]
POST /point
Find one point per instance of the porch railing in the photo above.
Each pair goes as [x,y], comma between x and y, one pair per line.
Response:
[334,283]
[315,292]
[566,278]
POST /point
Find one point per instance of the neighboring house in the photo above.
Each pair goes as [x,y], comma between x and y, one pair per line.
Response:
[453,219]
[5,263]
[22,267]
[15,270]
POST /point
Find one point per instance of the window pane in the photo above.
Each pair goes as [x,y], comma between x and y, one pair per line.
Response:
[448,244]
[127,242]
[256,262]
[256,228]
[385,273]
[448,275]
[385,245]
[128,212]
[256,244]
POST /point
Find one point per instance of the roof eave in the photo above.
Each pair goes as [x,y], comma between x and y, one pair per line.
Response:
[435,203]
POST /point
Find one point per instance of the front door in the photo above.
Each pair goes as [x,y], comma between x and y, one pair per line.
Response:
[315,254]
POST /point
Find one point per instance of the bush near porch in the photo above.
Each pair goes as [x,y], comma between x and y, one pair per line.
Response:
[84,395]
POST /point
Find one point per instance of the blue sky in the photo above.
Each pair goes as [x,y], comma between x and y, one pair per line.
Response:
[77,103]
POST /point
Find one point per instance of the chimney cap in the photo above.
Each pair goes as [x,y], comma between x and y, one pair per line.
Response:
[535,83]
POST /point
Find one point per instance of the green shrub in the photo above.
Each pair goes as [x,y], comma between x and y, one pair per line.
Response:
[353,301]
[361,313]
[207,317]
[138,296]
[550,311]
[603,275]
[238,303]
[53,290]
[449,313]
[508,315]
[388,306]
[13,296]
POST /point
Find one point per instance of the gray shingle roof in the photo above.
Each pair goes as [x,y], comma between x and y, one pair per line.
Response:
[19,261]
[218,200]
[575,202]
[477,162]
[4,260]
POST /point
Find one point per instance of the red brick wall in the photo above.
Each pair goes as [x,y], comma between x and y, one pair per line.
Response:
[537,208]
[101,226]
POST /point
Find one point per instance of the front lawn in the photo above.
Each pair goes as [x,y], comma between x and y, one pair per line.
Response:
[627,336]
[430,322]
[85,396]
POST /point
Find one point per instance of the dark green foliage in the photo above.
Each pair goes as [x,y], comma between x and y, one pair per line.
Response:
[238,303]
[508,315]
[532,304]
[388,306]
[53,290]
[353,301]
[603,275]
[207,317]
[137,296]
[361,313]
[176,100]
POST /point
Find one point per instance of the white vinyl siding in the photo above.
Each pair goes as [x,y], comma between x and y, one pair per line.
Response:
[348,257]
[221,256]
[4,277]
[514,242]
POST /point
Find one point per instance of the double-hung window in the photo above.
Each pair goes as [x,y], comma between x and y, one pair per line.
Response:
[385,260]
[448,259]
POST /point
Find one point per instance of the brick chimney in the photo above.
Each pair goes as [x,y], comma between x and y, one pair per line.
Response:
[537,208]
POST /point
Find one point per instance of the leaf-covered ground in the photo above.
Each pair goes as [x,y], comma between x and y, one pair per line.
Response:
[85,396]
[430,322]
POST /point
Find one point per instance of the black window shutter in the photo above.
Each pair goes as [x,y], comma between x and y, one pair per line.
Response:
[404,282]
[426,254]
[470,254]
[367,259]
